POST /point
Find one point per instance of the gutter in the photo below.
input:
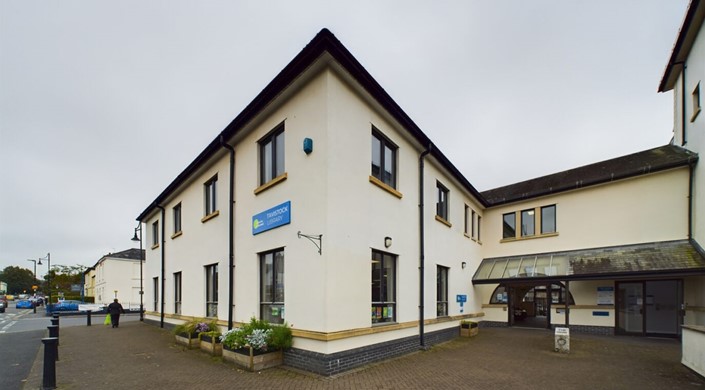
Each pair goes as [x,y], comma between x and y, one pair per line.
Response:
[421,245]
[231,232]
[161,319]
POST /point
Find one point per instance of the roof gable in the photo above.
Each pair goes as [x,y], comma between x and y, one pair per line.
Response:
[323,42]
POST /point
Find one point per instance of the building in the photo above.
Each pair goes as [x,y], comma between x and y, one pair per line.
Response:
[115,275]
[324,205]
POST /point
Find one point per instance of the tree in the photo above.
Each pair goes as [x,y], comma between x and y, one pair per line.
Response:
[19,280]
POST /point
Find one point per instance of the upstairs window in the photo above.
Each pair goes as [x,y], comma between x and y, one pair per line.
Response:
[442,201]
[696,102]
[271,155]
[509,225]
[177,218]
[209,195]
[548,219]
[384,157]
[528,226]
[155,234]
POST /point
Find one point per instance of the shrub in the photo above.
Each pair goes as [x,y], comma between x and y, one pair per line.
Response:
[196,326]
[260,335]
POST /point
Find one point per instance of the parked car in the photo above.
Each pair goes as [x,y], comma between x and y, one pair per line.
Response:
[66,305]
[24,304]
[3,305]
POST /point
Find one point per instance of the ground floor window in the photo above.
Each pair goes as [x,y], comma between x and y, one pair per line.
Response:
[441,291]
[155,288]
[177,293]
[383,287]
[272,286]
[212,290]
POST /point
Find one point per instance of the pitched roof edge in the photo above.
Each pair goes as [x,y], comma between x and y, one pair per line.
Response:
[324,41]
[583,184]
[666,84]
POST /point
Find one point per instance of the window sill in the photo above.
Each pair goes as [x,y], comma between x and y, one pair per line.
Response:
[695,114]
[210,216]
[177,234]
[155,246]
[443,221]
[528,237]
[385,187]
[271,183]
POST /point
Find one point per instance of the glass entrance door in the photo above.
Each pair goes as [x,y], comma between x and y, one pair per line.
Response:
[649,308]
[630,307]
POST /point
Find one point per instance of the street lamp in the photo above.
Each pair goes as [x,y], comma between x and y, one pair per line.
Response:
[48,257]
[139,238]
[35,267]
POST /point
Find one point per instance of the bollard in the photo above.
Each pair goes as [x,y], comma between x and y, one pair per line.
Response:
[51,355]
[88,318]
[54,332]
[55,321]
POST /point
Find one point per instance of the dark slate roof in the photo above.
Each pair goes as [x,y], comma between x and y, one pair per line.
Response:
[133,254]
[323,42]
[664,258]
[641,163]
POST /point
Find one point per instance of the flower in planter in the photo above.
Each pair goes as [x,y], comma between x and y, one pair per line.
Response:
[202,327]
[259,335]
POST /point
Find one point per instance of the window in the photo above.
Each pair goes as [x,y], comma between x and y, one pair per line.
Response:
[155,286]
[509,225]
[209,196]
[548,219]
[441,291]
[696,102]
[383,287]
[384,157]
[272,286]
[442,203]
[177,293]
[212,290]
[467,220]
[479,219]
[177,218]
[528,227]
[155,234]
[472,222]
[271,155]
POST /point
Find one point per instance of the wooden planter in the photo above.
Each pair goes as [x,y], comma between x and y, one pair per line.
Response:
[211,345]
[252,360]
[188,340]
[469,329]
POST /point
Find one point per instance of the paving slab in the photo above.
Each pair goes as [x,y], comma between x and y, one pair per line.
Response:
[137,355]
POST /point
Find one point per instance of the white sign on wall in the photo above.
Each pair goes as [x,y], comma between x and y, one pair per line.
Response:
[605,295]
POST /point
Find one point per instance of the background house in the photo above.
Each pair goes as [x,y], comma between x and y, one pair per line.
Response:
[116,275]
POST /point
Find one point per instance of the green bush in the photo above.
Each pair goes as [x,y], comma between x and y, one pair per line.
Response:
[259,334]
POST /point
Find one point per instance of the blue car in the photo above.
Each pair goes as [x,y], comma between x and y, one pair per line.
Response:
[66,306]
[24,304]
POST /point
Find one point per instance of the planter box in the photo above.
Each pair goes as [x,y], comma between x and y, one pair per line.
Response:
[253,361]
[211,345]
[188,340]
[469,330]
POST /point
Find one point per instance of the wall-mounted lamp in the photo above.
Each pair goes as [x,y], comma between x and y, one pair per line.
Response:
[308,145]
[387,242]
[463,264]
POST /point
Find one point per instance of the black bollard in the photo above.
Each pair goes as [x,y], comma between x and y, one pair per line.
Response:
[54,332]
[51,355]
[88,318]
[55,321]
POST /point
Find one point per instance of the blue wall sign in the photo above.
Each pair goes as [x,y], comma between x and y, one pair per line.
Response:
[461,298]
[269,219]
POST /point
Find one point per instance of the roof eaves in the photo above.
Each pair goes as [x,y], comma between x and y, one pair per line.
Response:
[677,55]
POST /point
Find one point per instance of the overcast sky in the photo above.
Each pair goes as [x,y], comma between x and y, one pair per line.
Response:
[104,103]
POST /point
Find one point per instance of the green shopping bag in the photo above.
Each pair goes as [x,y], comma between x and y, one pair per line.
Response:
[107,320]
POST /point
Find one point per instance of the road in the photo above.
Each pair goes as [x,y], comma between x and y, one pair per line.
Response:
[21,332]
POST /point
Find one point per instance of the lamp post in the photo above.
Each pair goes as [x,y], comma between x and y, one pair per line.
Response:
[139,238]
[35,267]
[48,257]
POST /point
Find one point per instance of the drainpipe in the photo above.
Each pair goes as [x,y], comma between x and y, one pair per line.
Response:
[161,319]
[421,245]
[683,105]
[231,242]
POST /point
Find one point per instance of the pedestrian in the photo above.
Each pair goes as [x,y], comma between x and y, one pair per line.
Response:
[114,309]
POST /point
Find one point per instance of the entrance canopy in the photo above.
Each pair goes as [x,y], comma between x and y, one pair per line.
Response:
[668,258]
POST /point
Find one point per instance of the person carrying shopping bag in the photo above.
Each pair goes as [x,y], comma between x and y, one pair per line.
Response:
[115,309]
